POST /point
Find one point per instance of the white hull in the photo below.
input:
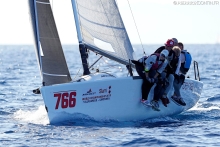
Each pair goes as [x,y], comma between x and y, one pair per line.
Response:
[102,97]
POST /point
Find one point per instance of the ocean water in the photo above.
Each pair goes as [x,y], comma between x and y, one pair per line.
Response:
[24,121]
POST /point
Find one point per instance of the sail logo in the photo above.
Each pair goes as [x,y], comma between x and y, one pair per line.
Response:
[89,92]
[66,99]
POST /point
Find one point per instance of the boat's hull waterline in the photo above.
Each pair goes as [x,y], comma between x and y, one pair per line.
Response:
[102,97]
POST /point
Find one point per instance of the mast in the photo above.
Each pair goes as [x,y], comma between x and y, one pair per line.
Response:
[82,48]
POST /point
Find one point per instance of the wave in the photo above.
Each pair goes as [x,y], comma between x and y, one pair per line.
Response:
[38,116]
[215,98]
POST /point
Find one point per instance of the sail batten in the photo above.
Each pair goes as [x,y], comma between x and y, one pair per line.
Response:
[42,2]
[54,75]
[101,20]
[48,38]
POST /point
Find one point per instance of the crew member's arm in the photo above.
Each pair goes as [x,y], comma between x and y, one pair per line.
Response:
[178,66]
[149,63]
[146,73]
[156,75]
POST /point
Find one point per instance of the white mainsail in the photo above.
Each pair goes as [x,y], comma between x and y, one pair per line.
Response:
[102,30]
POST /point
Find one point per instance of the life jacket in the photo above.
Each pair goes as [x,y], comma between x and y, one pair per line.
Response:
[173,63]
[170,55]
[186,65]
[156,65]
[159,50]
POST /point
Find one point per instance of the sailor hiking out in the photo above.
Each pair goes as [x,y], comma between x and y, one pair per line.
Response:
[149,69]
[164,87]
[186,60]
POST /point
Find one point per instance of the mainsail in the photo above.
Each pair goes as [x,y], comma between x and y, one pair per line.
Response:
[50,54]
[102,30]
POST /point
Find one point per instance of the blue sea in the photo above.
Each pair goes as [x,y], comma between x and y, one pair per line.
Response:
[24,121]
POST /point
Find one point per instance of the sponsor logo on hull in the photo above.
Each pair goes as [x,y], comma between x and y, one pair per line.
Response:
[89,92]
[188,86]
[97,94]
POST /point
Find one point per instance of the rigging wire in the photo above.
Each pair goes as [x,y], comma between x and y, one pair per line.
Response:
[95,62]
[77,73]
[136,28]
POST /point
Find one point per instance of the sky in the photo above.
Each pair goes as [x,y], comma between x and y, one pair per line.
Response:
[156,21]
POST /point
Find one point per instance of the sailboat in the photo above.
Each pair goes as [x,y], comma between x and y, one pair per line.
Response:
[96,95]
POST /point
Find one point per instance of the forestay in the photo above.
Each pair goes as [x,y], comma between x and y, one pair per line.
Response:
[51,58]
[102,29]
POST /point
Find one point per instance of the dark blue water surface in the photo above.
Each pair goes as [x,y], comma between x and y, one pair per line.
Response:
[24,121]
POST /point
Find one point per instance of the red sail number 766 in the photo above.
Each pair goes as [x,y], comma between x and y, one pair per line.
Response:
[67,99]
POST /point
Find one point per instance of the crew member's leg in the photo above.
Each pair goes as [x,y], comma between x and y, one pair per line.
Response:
[177,85]
[170,80]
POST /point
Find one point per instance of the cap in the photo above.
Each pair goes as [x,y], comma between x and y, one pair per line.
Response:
[175,40]
[164,52]
[169,43]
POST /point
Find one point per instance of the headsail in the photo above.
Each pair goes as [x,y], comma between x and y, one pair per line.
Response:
[102,29]
[49,50]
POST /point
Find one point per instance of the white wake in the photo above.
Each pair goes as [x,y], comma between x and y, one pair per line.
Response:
[38,116]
